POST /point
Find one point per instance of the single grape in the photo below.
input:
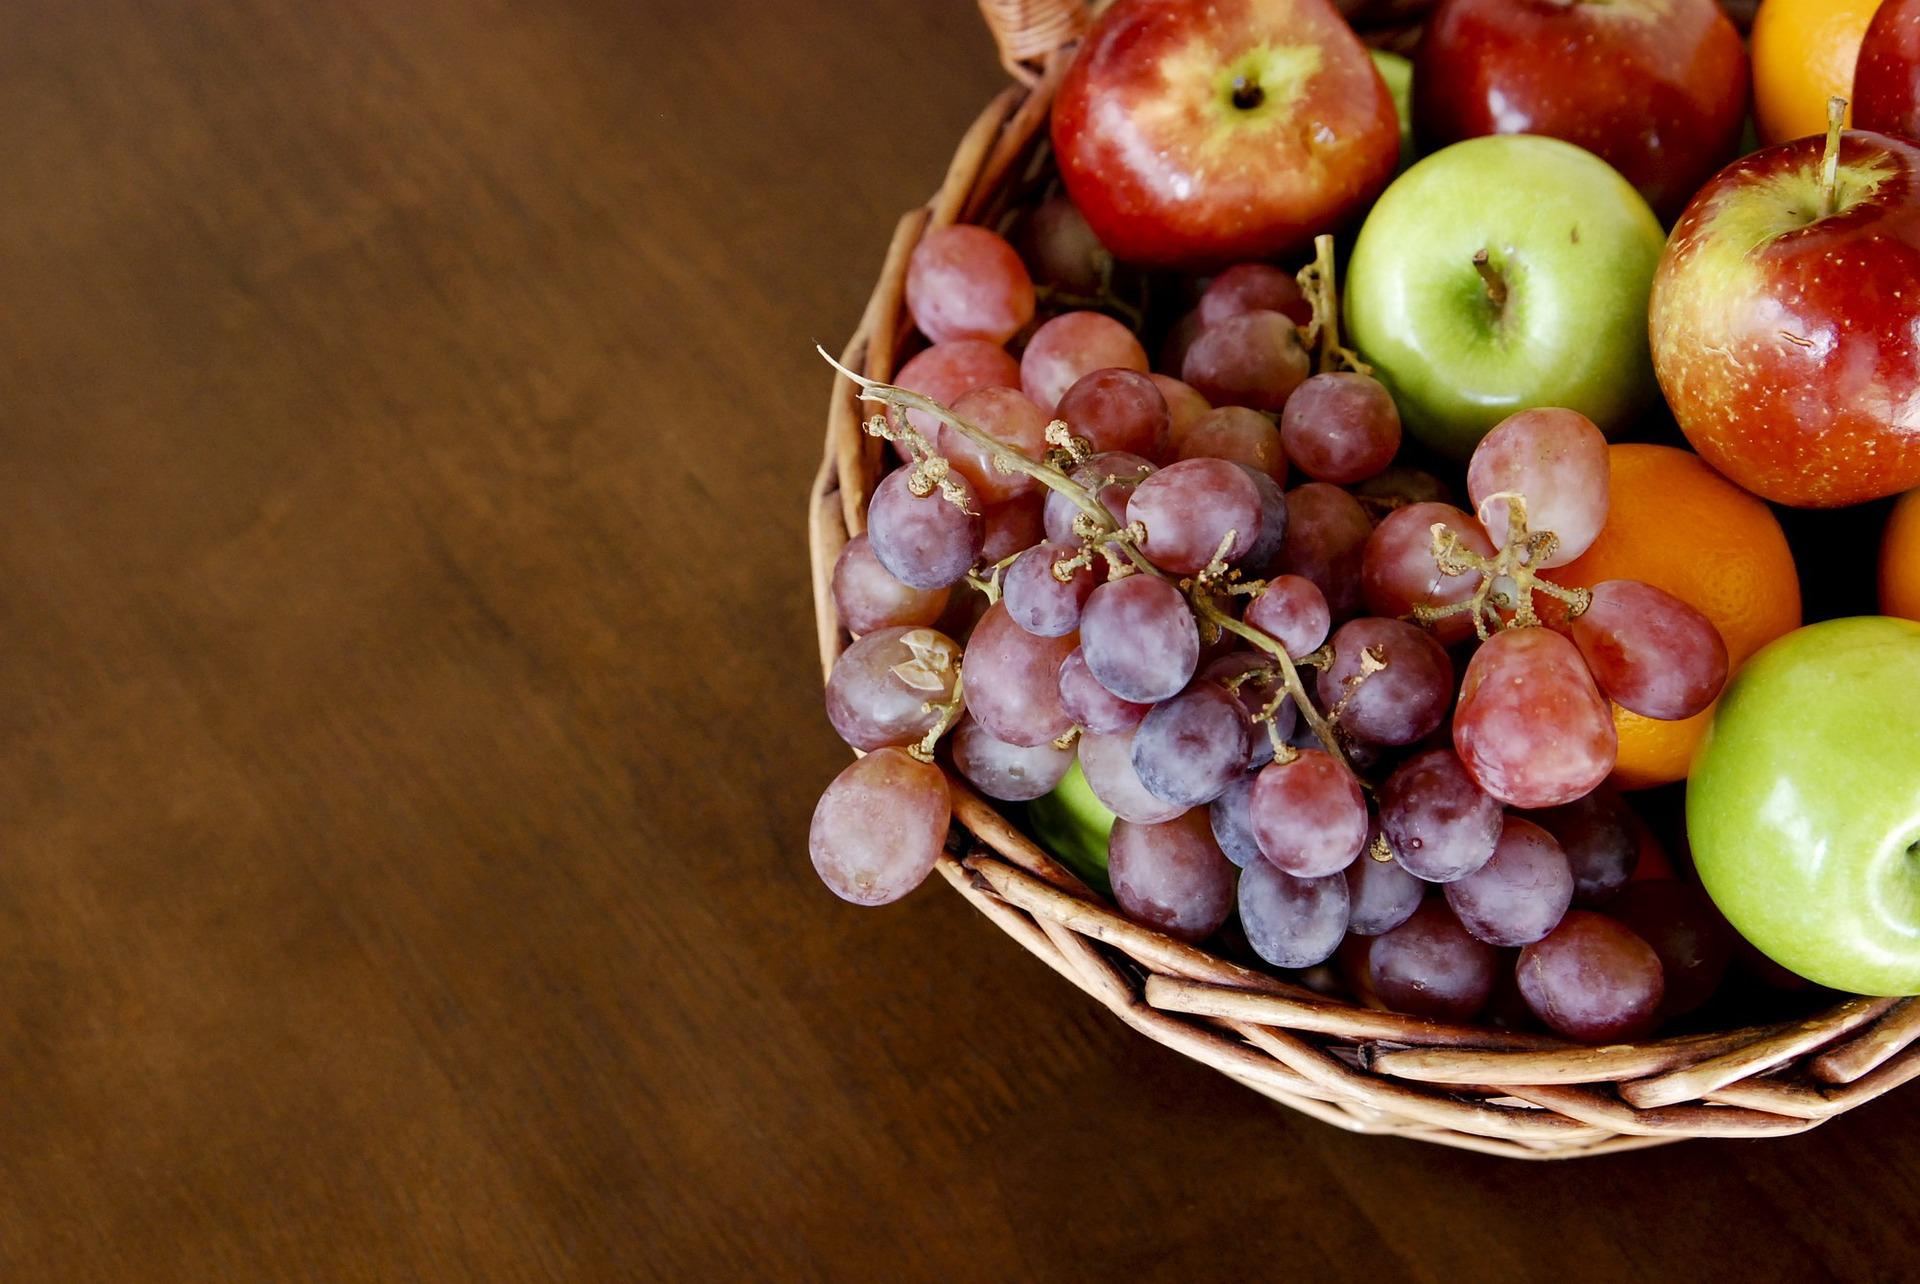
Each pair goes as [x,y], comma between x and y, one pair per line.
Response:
[1592,979]
[1292,922]
[1253,287]
[1010,527]
[1382,895]
[949,371]
[1265,553]
[1072,346]
[1292,611]
[1037,598]
[1184,406]
[1438,823]
[1399,486]
[1013,680]
[1011,773]
[1430,966]
[1190,509]
[966,282]
[1236,433]
[1531,727]
[1117,410]
[1107,764]
[1091,706]
[1521,894]
[1651,652]
[1062,250]
[1397,703]
[1398,572]
[1171,875]
[1125,469]
[1231,817]
[1309,815]
[879,827]
[866,596]
[1341,427]
[1253,359]
[887,688]
[1190,748]
[1008,416]
[1327,534]
[1557,459]
[1598,836]
[1694,943]
[1139,638]
[1255,695]
[928,541]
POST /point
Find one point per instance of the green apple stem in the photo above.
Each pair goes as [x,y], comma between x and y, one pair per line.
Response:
[1830,159]
[1496,284]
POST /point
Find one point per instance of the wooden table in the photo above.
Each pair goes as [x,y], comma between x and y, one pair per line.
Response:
[410,714]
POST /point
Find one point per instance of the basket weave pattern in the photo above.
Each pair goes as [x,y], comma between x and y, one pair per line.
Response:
[1367,1071]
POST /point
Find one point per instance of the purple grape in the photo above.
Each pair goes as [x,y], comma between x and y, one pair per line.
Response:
[866,596]
[1253,359]
[1440,825]
[1394,705]
[879,827]
[1255,695]
[1039,600]
[1013,680]
[1326,542]
[1093,707]
[1309,815]
[1190,508]
[1139,638]
[887,688]
[1341,428]
[1382,894]
[1521,893]
[1171,875]
[1597,834]
[1429,966]
[1117,411]
[1113,496]
[1231,816]
[1190,748]
[1107,763]
[1292,922]
[927,541]
[1694,943]
[1592,979]
[1293,612]
[1011,773]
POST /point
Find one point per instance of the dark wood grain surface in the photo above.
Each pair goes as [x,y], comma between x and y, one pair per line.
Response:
[409,719]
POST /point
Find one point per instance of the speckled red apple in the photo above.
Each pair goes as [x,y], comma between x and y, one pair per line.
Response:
[1886,82]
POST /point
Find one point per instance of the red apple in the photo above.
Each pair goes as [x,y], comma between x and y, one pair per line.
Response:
[1656,88]
[1886,81]
[1195,134]
[1785,321]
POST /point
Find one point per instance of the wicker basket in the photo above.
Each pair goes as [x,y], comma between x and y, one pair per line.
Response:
[1368,1071]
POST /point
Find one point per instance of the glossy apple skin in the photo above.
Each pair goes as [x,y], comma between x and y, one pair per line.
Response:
[1886,80]
[1803,807]
[1170,173]
[1656,88]
[1579,246]
[1787,344]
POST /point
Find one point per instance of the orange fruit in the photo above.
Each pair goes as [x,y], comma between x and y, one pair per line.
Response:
[1803,53]
[1676,524]
[1900,560]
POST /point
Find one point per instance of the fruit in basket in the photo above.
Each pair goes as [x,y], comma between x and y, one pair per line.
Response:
[1803,809]
[1501,274]
[1201,135]
[1804,53]
[1656,88]
[1171,875]
[1521,893]
[1430,966]
[1009,772]
[1674,523]
[1783,321]
[1900,560]
[1886,80]
[867,597]
[879,827]
[1071,346]
[1531,725]
[1593,979]
[1341,427]
[1289,921]
[885,688]
[966,282]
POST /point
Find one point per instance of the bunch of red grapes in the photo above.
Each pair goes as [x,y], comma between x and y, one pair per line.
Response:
[1357,717]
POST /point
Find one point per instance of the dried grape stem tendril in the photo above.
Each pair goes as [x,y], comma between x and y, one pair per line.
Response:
[1524,552]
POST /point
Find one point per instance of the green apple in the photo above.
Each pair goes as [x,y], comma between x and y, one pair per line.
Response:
[1397,71]
[1505,273]
[1072,824]
[1803,807]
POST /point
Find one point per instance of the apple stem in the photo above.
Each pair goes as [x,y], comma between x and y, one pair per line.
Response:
[1496,284]
[1830,162]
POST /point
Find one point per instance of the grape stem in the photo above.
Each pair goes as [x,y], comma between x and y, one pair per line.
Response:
[1321,286]
[950,712]
[1518,563]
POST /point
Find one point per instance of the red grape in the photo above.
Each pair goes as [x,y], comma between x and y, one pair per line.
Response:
[1190,748]
[1592,979]
[1292,611]
[949,371]
[1598,835]
[1394,705]
[1139,638]
[1694,943]
[866,596]
[927,541]
[1254,287]
[1382,895]
[1171,875]
[1398,572]
[1006,415]
[965,282]
[887,687]
[1038,599]
[1189,509]
[1429,966]
[1092,706]
[879,827]
[1309,815]
[1292,922]
[1011,773]
[1439,824]
[1013,680]
[1117,410]
[1326,540]
[1010,527]
[1231,818]
[1557,459]
[1126,469]
[1341,427]
[1072,346]
[1236,433]
[1521,894]
[1261,558]
[1184,406]
[1107,764]
[1253,359]
[1649,651]
[1531,727]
